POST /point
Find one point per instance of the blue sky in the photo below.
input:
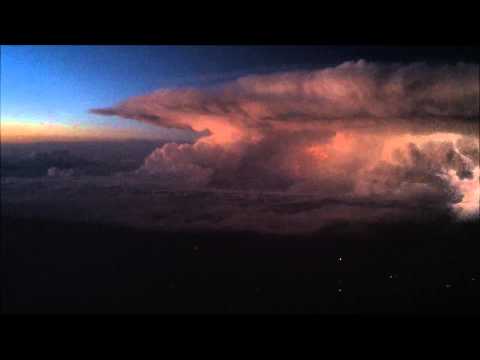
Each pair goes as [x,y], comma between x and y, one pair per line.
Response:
[59,84]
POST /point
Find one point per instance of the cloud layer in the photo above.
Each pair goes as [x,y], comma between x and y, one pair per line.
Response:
[346,95]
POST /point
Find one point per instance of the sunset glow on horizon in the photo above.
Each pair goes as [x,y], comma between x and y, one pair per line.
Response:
[14,131]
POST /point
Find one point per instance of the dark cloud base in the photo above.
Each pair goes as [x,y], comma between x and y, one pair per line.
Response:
[147,204]
[84,267]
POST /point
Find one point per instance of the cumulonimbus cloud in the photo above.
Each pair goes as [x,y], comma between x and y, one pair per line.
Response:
[363,129]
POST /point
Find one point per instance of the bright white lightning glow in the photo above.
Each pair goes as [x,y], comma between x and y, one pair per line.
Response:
[470,189]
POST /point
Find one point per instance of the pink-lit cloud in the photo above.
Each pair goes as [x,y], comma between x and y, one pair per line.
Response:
[378,131]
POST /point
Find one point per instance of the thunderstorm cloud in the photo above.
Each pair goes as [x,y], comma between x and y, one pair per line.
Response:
[381,132]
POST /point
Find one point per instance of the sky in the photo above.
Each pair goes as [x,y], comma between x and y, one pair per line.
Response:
[47,91]
[367,125]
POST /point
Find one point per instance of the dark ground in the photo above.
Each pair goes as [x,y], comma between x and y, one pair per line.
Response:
[89,268]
